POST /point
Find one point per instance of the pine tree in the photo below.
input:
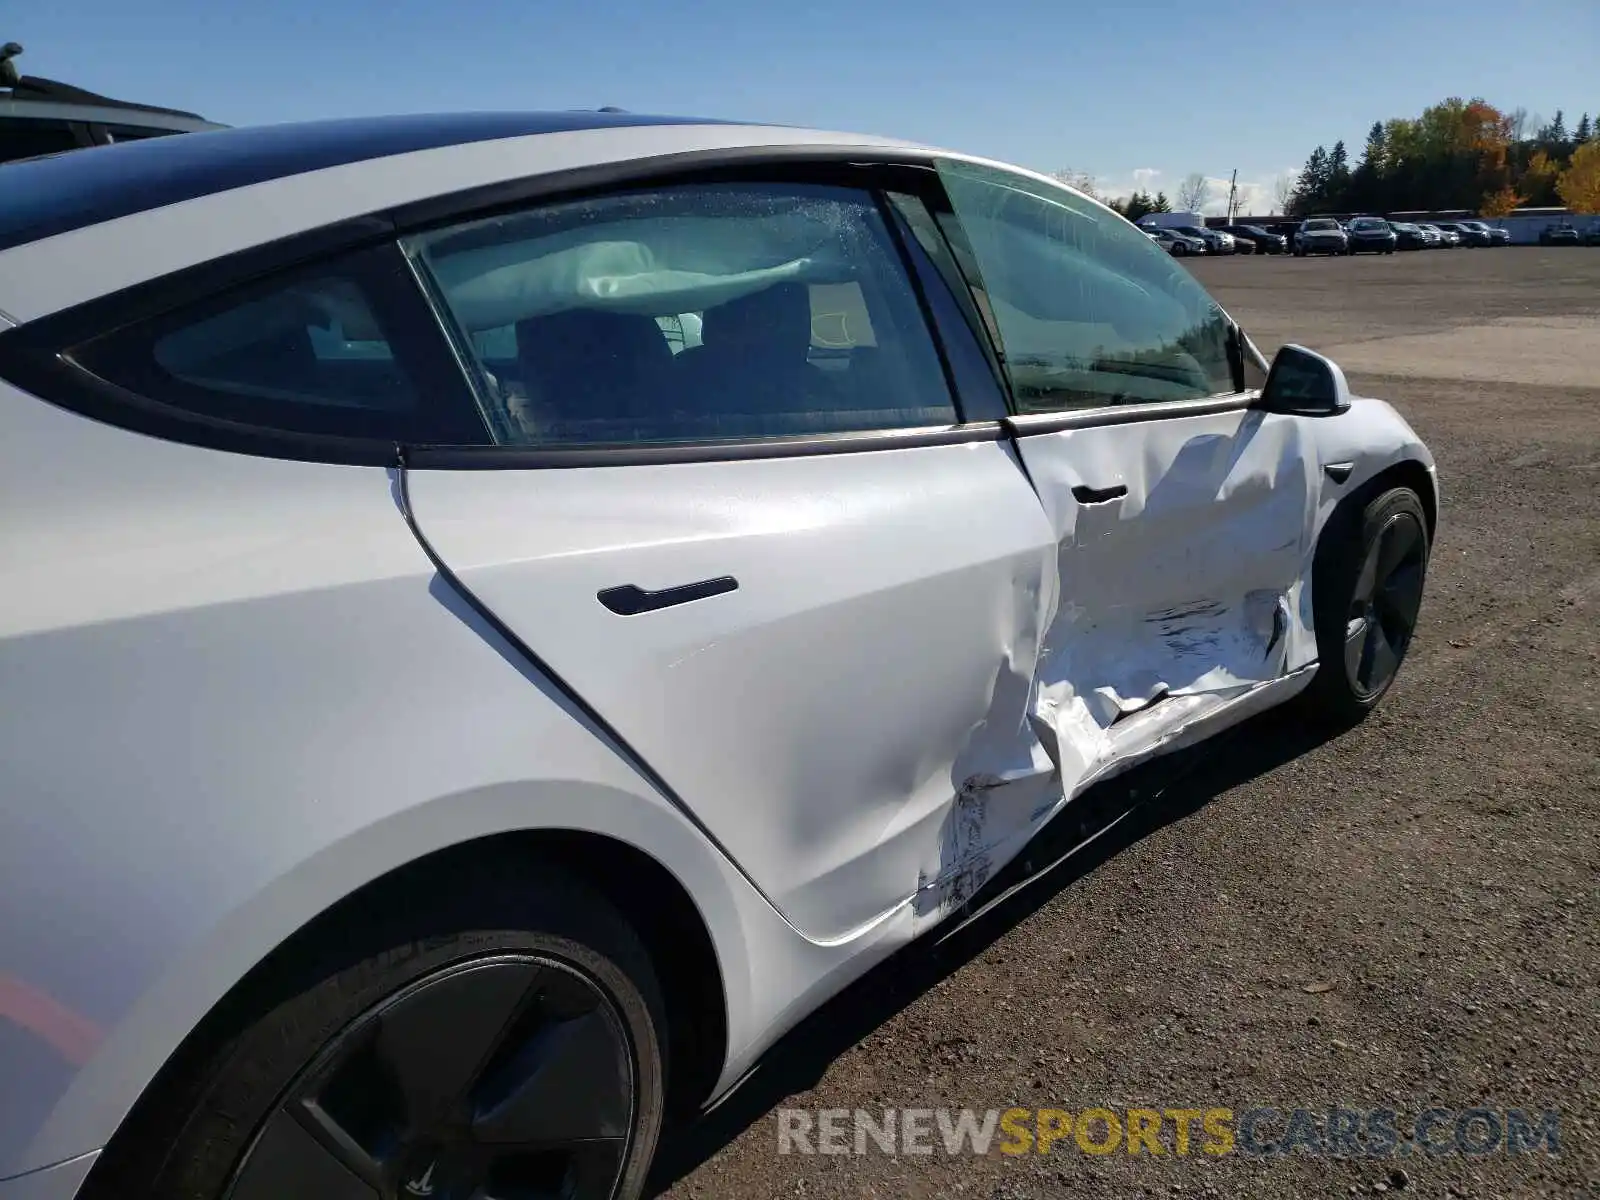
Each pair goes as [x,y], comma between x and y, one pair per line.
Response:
[1374,155]
[1312,184]
[1161,203]
[1338,188]
[1366,191]
[1583,132]
[1558,129]
[1136,206]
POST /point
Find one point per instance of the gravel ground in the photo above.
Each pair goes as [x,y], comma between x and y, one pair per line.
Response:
[1405,916]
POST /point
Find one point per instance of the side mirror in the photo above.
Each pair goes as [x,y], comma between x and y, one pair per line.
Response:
[1303,382]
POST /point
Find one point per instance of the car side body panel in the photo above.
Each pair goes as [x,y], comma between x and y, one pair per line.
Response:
[821,718]
[248,694]
[59,1181]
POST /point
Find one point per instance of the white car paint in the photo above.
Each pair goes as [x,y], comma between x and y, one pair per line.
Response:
[831,669]
[250,693]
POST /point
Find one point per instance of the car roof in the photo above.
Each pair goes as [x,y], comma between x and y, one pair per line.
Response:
[134,211]
[35,89]
[52,195]
[33,98]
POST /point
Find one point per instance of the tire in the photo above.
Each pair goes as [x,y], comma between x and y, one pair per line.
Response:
[1354,556]
[515,1000]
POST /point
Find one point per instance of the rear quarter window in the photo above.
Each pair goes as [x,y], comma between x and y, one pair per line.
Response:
[322,351]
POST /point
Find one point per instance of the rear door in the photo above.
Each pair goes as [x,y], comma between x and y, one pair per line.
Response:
[1182,516]
[735,507]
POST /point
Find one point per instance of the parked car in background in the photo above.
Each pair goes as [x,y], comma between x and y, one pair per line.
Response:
[1264,241]
[1179,245]
[1562,234]
[1448,238]
[1411,237]
[1370,235]
[1592,238]
[1497,236]
[1469,234]
[384,811]
[42,116]
[1216,241]
[1320,235]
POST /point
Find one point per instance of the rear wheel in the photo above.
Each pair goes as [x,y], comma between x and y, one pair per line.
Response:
[1367,588]
[503,1043]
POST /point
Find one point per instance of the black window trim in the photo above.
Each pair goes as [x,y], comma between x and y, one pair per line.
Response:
[33,356]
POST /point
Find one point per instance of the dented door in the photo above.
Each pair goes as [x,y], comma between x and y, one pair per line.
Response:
[1181,516]
[1182,544]
[813,652]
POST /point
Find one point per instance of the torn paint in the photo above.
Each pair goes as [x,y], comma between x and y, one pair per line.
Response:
[1163,612]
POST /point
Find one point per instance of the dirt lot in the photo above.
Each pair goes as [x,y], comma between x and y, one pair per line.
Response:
[1405,916]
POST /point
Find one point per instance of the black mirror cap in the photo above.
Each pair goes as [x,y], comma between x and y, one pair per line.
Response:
[1305,383]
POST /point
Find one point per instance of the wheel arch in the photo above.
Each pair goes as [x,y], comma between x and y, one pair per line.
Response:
[1407,473]
[650,897]
[1346,510]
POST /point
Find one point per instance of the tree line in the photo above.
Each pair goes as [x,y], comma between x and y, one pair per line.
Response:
[1459,154]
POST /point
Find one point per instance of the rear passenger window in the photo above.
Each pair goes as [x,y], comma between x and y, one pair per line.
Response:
[695,313]
[312,352]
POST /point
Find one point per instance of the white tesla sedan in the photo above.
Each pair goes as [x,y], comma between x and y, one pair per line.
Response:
[502,615]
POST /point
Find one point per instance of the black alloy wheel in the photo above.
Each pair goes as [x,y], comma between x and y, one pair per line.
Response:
[508,1077]
[481,1026]
[1368,583]
[1385,604]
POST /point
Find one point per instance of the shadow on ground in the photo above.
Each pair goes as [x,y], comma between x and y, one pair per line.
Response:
[1123,811]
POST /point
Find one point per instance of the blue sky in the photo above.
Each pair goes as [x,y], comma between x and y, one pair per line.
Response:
[1128,93]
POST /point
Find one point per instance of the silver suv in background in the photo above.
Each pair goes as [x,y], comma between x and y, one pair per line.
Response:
[42,116]
[1320,235]
[1216,241]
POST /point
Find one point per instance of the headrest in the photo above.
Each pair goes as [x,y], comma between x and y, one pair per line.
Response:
[778,317]
[602,341]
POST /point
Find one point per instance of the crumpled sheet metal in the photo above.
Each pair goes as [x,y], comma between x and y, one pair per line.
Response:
[1154,618]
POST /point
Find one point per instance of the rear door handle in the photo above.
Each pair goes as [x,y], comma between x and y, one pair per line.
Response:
[1089,495]
[629,600]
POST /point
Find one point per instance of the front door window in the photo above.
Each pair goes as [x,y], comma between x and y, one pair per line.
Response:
[1088,311]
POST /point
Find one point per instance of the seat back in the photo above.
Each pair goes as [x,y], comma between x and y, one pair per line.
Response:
[585,364]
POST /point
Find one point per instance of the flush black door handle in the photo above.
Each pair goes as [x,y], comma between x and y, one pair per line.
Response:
[630,599]
[1089,495]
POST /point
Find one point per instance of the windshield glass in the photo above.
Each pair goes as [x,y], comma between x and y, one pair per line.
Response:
[1366,223]
[1322,223]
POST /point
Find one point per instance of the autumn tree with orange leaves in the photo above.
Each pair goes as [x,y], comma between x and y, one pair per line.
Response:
[1458,154]
[1579,186]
